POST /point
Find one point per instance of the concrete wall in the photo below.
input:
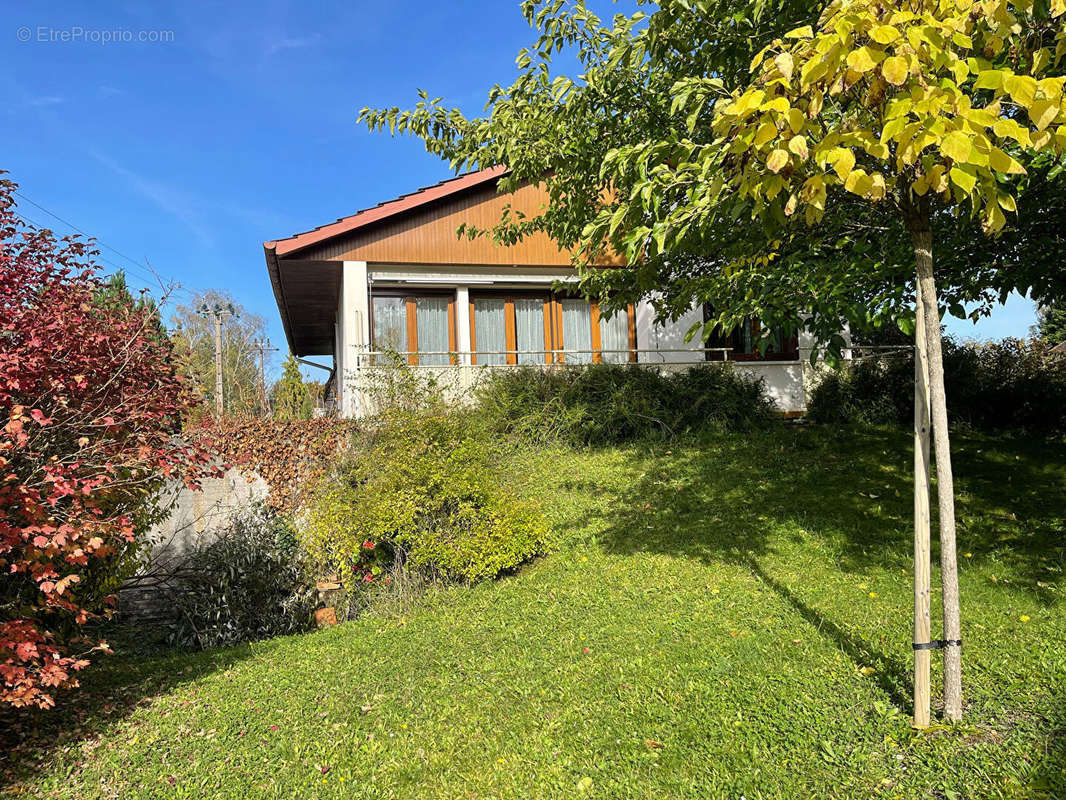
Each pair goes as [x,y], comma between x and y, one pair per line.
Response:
[195,520]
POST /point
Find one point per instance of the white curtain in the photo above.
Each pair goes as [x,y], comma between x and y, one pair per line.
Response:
[490,330]
[390,324]
[614,335]
[577,331]
[431,319]
[529,330]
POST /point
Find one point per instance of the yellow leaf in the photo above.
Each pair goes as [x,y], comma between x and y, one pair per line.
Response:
[864,59]
[790,206]
[964,180]
[766,132]
[1009,128]
[796,120]
[884,34]
[755,62]
[1043,113]
[878,150]
[989,79]
[785,63]
[1021,88]
[994,219]
[806,32]
[777,160]
[962,40]
[960,71]
[956,146]
[778,104]
[1001,162]
[1007,202]
[878,190]
[798,145]
[895,70]
[858,182]
[843,162]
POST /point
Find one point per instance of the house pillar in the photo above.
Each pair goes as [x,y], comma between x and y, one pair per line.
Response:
[462,324]
[353,334]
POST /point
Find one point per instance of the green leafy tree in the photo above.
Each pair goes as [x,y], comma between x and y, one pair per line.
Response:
[291,397]
[1051,324]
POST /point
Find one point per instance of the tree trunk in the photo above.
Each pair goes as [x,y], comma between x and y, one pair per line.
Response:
[922,622]
[922,238]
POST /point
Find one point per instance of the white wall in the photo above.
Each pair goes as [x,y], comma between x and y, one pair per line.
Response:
[784,379]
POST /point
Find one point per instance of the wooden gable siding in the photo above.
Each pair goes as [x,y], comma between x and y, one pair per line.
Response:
[427,236]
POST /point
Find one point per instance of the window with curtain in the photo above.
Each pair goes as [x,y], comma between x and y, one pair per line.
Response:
[431,323]
[490,330]
[614,338]
[529,330]
[390,324]
[421,326]
[577,330]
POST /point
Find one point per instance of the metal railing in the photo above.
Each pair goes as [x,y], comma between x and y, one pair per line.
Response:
[557,357]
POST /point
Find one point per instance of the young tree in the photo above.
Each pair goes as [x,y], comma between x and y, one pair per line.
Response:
[924,109]
[90,401]
[1051,324]
[292,397]
[194,340]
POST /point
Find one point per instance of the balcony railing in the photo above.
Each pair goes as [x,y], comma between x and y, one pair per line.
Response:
[542,358]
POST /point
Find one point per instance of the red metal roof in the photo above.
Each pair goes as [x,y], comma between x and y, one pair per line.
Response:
[400,205]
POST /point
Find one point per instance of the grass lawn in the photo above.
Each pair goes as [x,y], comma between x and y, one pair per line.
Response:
[724,620]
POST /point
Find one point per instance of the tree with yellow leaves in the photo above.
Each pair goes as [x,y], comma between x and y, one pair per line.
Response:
[927,107]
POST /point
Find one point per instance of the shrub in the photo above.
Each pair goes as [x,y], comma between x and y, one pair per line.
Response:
[602,404]
[250,583]
[426,486]
[1011,384]
[90,402]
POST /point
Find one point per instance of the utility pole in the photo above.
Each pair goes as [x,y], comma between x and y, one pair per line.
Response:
[263,346]
[218,312]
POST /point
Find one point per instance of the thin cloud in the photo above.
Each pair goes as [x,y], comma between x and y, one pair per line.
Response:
[292,43]
[46,100]
[175,202]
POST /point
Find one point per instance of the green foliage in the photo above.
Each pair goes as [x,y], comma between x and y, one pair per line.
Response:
[251,583]
[426,486]
[1051,324]
[292,397]
[609,403]
[1011,384]
[711,628]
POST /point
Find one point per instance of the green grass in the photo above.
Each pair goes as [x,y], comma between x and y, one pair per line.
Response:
[723,620]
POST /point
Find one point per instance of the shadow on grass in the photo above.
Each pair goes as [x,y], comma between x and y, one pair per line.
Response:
[112,688]
[733,498]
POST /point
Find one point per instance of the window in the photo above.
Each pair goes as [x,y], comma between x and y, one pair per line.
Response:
[614,338]
[577,331]
[743,342]
[421,327]
[546,328]
[510,329]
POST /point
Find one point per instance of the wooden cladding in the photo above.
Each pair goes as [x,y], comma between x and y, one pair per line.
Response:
[428,235]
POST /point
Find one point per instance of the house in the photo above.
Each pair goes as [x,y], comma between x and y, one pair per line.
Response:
[398,278]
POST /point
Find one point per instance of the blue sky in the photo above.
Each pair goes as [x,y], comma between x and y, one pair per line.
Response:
[189,153]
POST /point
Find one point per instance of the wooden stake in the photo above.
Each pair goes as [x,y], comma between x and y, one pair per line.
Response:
[922,626]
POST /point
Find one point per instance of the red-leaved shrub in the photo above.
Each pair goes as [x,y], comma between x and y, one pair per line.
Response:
[90,413]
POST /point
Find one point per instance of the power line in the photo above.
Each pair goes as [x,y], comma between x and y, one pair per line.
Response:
[175,288]
[149,275]
[74,227]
